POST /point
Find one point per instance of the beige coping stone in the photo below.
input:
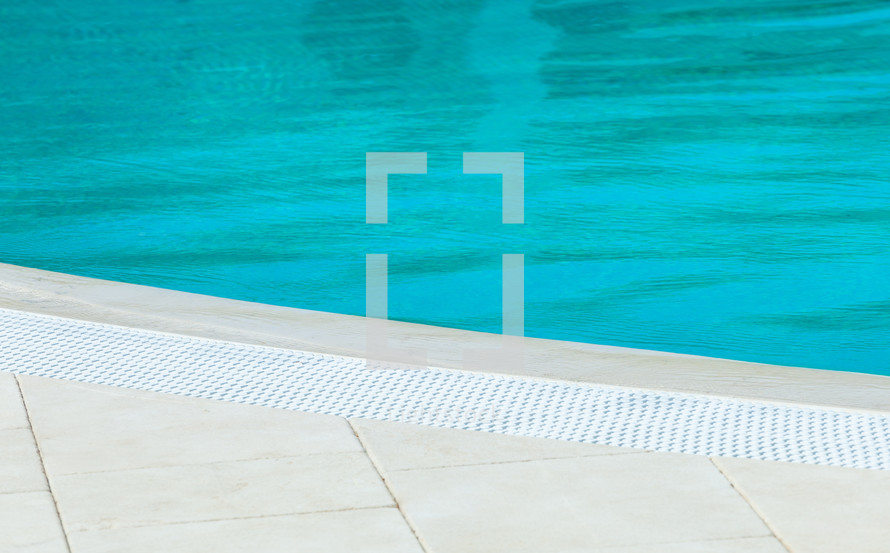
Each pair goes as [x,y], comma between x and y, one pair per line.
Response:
[20,466]
[29,524]
[817,509]
[90,427]
[12,411]
[577,504]
[191,493]
[193,314]
[358,531]
[401,446]
[739,545]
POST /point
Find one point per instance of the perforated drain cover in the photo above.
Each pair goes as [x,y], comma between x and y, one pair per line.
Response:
[56,347]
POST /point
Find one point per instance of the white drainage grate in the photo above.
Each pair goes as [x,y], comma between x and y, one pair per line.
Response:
[661,421]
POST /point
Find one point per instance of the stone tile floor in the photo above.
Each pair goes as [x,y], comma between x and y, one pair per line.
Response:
[88,468]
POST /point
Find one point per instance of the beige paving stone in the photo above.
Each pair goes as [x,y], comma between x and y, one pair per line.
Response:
[262,487]
[817,509]
[740,545]
[12,412]
[88,428]
[364,531]
[573,505]
[20,466]
[400,446]
[29,524]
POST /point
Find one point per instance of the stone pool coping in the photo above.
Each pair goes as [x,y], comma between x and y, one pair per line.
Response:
[150,308]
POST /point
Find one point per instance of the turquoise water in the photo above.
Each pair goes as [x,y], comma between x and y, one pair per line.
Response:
[701,177]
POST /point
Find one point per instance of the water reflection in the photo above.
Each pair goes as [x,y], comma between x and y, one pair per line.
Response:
[700,178]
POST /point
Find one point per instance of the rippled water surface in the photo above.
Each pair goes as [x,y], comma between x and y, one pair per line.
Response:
[701,177]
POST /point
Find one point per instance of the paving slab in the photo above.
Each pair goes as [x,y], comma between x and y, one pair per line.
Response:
[20,466]
[402,446]
[12,411]
[365,530]
[188,493]
[89,428]
[569,505]
[817,509]
[29,524]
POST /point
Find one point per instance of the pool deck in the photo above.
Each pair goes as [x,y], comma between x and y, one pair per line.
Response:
[91,468]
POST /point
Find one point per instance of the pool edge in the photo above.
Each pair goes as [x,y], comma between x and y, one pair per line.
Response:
[111,302]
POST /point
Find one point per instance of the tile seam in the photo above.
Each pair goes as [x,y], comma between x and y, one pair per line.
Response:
[203,463]
[762,516]
[226,519]
[414,530]
[49,486]
[520,461]
[618,548]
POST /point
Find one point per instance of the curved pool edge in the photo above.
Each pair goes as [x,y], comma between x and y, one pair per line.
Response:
[149,308]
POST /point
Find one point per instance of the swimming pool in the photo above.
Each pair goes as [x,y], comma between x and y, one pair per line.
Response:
[706,178]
